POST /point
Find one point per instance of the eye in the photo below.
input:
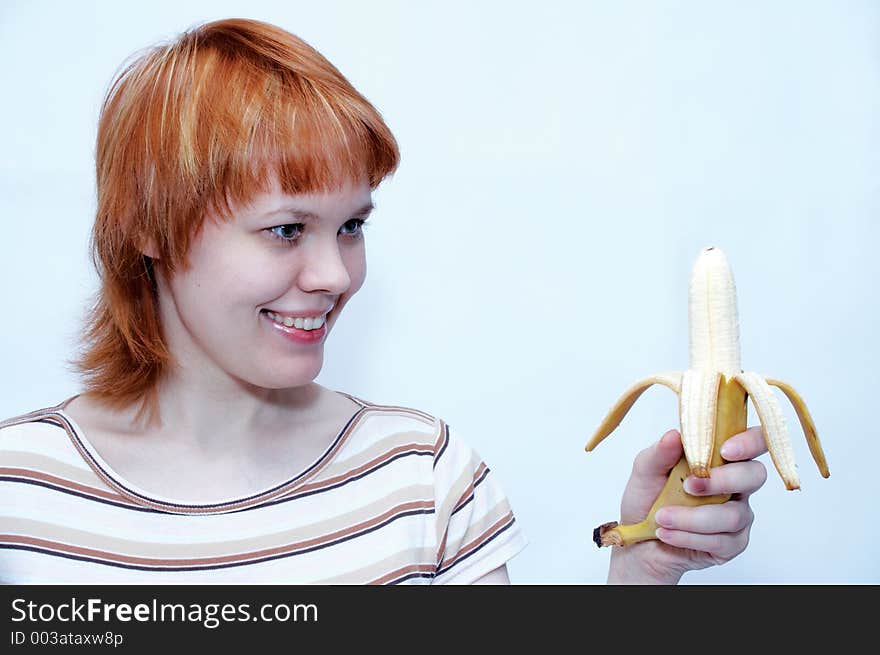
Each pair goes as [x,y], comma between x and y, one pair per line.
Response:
[358,226]
[287,233]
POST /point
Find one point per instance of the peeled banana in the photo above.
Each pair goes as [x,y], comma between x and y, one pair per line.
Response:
[712,401]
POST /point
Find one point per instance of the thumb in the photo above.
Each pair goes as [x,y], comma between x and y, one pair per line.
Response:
[649,473]
[657,460]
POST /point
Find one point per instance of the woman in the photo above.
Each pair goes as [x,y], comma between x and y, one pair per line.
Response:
[235,168]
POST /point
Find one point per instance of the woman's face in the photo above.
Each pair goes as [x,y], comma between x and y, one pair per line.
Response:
[284,256]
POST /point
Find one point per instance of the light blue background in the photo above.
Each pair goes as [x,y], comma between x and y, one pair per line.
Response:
[562,165]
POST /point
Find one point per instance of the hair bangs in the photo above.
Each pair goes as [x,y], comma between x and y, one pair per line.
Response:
[268,121]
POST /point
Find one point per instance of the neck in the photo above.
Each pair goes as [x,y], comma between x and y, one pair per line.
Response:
[231,417]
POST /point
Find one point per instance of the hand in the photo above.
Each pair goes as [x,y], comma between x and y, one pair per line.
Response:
[691,537]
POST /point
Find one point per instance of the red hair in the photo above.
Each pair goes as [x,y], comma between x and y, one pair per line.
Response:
[196,124]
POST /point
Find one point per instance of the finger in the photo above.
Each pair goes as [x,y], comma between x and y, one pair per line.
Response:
[743,478]
[723,546]
[745,445]
[649,474]
[657,460]
[731,516]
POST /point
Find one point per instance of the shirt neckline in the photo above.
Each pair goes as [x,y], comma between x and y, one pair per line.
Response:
[176,505]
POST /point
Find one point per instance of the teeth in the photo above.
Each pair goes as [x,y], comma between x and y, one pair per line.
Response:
[299,323]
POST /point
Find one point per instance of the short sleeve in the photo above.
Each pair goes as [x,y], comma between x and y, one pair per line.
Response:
[476,530]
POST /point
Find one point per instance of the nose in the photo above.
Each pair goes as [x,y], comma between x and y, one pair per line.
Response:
[324,268]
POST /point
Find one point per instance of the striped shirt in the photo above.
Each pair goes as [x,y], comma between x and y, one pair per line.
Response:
[397,498]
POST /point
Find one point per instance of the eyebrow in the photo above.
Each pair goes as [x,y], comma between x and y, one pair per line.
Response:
[302,214]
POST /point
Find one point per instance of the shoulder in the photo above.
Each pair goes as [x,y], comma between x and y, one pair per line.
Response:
[452,455]
[35,420]
[41,431]
[380,420]
[404,412]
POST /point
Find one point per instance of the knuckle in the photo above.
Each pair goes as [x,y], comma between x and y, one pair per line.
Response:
[761,473]
[717,544]
[738,477]
[722,479]
[738,544]
[641,460]
[741,518]
[733,518]
[683,519]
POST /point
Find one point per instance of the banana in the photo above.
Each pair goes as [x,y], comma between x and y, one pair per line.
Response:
[712,401]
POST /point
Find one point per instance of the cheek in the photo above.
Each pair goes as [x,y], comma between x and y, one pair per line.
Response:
[227,278]
[357,270]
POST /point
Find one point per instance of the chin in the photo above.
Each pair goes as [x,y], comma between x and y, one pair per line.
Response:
[274,369]
[290,379]
[284,383]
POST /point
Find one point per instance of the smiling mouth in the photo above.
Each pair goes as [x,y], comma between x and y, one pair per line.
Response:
[305,324]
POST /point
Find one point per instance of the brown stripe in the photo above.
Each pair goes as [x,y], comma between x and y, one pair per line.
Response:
[475,543]
[469,490]
[442,435]
[400,572]
[52,463]
[376,461]
[420,557]
[206,562]
[28,474]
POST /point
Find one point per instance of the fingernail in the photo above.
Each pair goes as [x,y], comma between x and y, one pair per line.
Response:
[694,485]
[662,518]
[731,450]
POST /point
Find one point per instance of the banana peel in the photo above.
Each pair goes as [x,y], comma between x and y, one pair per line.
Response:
[713,395]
